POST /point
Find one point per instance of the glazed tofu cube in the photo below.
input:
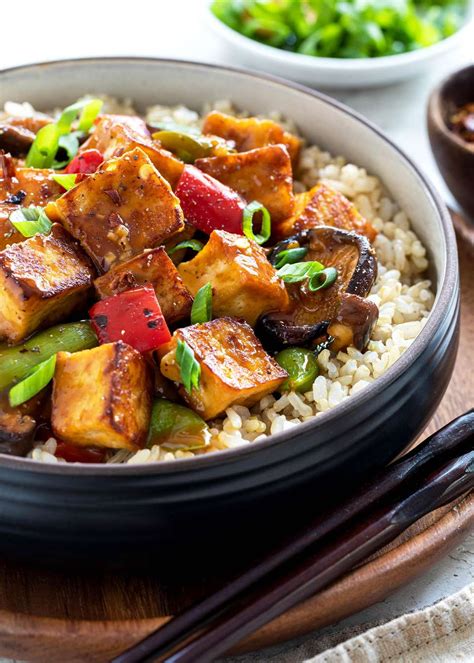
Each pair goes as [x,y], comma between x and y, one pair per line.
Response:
[244,283]
[250,132]
[101,397]
[323,206]
[116,134]
[154,267]
[263,174]
[8,234]
[235,369]
[42,280]
[121,210]
[36,183]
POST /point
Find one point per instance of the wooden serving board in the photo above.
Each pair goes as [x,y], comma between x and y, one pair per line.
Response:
[56,617]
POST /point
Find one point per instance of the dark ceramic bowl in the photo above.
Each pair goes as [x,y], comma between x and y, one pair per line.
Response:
[454,157]
[196,507]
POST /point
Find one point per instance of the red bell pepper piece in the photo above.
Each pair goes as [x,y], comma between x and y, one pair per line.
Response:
[74,453]
[208,204]
[86,162]
[133,316]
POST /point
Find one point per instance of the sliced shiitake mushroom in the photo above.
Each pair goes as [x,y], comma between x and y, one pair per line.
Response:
[14,139]
[341,307]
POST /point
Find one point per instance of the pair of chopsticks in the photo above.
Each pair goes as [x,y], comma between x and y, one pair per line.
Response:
[436,472]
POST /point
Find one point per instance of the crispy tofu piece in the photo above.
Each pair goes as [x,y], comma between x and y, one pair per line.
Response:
[37,183]
[323,206]
[116,134]
[154,267]
[102,397]
[250,132]
[263,174]
[121,210]
[8,234]
[42,280]
[244,283]
[235,369]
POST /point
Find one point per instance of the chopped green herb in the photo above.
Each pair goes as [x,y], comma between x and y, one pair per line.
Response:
[290,256]
[66,180]
[201,310]
[30,221]
[193,244]
[299,271]
[44,147]
[33,383]
[189,367]
[323,279]
[247,222]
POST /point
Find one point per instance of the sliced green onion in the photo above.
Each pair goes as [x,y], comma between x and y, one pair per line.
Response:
[290,256]
[88,110]
[70,144]
[189,367]
[247,222]
[193,244]
[30,221]
[322,279]
[66,180]
[34,383]
[44,147]
[299,271]
[201,310]
[89,113]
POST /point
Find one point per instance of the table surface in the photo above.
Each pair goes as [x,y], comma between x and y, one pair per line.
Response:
[178,29]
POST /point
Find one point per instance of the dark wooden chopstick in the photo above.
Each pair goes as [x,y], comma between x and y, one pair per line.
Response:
[337,557]
[441,446]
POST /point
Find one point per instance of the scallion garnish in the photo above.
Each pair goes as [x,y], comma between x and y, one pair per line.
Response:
[44,147]
[189,368]
[88,109]
[43,152]
[247,222]
[33,383]
[30,221]
[322,279]
[299,271]
[193,244]
[290,256]
[66,180]
[201,310]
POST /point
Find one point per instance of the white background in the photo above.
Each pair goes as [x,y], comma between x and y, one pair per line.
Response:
[49,29]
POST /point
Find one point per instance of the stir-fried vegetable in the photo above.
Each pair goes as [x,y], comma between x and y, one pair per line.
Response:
[175,426]
[87,162]
[186,146]
[247,222]
[134,317]
[301,366]
[201,310]
[56,144]
[16,362]
[75,454]
[189,367]
[40,376]
[67,181]
[207,204]
[343,28]
[30,221]
[193,244]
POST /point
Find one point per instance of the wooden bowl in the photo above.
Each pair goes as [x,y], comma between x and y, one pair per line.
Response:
[455,158]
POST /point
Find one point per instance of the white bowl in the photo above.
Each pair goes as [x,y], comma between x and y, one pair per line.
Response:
[336,72]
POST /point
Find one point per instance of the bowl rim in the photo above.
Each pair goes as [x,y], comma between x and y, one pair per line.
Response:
[342,65]
[436,106]
[448,284]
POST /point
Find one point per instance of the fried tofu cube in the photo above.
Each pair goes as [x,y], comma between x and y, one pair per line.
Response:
[247,133]
[235,369]
[116,134]
[121,210]
[244,283]
[154,267]
[263,174]
[37,183]
[42,280]
[323,206]
[102,397]
[8,234]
